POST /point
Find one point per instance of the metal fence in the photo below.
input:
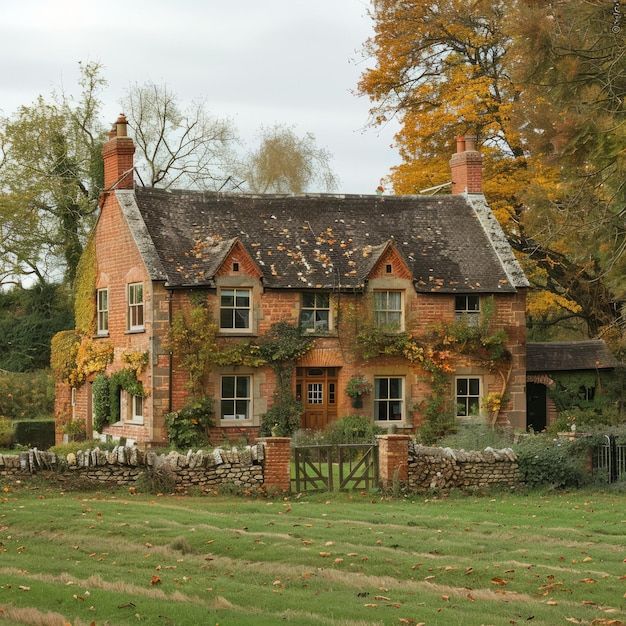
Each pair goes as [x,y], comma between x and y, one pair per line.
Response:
[609,460]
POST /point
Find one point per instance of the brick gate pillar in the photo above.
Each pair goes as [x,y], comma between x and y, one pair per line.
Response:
[393,459]
[277,463]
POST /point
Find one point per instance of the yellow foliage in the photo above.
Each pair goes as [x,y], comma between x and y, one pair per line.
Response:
[136,361]
[92,357]
[542,303]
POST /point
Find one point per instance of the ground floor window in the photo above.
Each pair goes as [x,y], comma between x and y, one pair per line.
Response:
[137,410]
[236,398]
[467,396]
[388,399]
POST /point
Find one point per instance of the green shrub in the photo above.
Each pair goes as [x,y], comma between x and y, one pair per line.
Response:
[283,418]
[26,396]
[476,436]
[587,418]
[35,433]
[7,432]
[546,461]
[352,429]
[188,427]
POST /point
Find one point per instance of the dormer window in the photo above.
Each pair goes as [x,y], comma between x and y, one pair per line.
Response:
[315,312]
[389,268]
[388,310]
[235,267]
[235,309]
[467,307]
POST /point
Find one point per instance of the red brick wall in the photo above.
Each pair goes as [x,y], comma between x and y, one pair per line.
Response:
[276,472]
[393,459]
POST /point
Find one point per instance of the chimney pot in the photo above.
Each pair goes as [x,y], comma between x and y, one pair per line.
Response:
[121,126]
[118,157]
[466,166]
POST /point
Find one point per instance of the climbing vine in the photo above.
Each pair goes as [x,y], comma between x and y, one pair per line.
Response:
[85,290]
[106,395]
[195,342]
[74,358]
[436,351]
[124,379]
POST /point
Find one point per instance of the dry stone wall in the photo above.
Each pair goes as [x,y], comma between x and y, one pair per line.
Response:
[123,465]
[445,469]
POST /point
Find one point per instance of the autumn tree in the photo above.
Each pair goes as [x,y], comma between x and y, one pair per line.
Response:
[447,68]
[571,59]
[285,162]
[176,145]
[50,179]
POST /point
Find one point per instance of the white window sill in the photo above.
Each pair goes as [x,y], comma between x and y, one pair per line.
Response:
[135,331]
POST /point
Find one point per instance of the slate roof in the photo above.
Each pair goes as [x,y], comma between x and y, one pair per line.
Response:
[569,356]
[323,240]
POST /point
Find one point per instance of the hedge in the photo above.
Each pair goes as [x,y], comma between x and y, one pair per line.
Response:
[35,433]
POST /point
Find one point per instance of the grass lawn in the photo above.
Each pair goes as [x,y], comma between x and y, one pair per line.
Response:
[114,558]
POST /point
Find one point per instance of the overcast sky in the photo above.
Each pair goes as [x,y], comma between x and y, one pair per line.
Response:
[257,62]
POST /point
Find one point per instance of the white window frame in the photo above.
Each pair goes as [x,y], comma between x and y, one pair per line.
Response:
[468,377]
[134,306]
[248,399]
[102,312]
[314,309]
[401,399]
[388,310]
[463,310]
[73,397]
[226,329]
[136,417]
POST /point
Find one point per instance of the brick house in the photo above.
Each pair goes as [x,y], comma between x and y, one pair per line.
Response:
[410,262]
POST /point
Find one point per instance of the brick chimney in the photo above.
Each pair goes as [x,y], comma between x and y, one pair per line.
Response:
[467,166]
[118,157]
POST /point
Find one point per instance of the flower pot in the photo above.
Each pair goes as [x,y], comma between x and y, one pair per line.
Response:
[357,403]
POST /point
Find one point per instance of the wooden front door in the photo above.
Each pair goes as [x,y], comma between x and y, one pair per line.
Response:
[316,388]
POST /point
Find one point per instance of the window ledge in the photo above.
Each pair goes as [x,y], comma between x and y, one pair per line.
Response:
[235,423]
[238,333]
[135,331]
[101,335]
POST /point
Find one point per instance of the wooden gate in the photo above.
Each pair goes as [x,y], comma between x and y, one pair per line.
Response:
[334,468]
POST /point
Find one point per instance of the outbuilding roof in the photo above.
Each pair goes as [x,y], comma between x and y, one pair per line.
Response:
[450,243]
[569,356]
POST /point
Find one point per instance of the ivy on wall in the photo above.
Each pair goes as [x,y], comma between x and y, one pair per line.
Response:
[195,342]
[85,290]
[106,395]
[437,352]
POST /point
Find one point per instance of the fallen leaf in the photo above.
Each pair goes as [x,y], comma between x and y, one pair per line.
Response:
[552,603]
[324,554]
[499,581]
[155,580]
[384,598]
[589,581]
[371,606]
[24,588]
